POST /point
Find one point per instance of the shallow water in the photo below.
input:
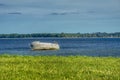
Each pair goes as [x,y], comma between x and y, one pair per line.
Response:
[68,46]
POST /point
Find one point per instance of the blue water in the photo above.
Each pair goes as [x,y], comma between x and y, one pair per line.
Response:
[68,46]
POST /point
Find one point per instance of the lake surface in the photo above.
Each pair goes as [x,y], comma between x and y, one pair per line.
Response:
[68,46]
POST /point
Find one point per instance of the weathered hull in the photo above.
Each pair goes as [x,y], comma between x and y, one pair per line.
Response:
[36,45]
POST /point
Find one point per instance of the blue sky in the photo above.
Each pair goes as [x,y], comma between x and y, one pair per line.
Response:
[56,16]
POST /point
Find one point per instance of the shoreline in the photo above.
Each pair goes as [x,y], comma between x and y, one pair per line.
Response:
[62,37]
[17,55]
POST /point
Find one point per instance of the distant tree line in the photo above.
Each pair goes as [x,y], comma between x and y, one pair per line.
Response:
[97,34]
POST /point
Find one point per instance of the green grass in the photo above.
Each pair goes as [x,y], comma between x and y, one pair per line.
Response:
[59,68]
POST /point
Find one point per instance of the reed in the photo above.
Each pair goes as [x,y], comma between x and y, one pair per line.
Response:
[13,67]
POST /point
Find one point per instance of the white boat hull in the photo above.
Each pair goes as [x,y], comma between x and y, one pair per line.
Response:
[36,45]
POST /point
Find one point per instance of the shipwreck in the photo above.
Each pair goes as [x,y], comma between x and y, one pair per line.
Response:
[37,45]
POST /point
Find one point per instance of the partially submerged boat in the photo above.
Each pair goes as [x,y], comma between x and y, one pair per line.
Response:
[37,45]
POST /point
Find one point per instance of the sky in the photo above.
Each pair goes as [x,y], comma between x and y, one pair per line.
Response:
[56,16]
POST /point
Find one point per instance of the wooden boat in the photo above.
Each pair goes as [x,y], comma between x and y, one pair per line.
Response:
[37,45]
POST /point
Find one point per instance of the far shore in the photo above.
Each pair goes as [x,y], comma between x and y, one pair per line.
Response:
[59,37]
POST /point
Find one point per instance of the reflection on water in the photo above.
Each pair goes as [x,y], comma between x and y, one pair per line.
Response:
[68,46]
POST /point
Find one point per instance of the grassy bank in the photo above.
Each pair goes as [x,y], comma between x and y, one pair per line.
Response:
[59,68]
